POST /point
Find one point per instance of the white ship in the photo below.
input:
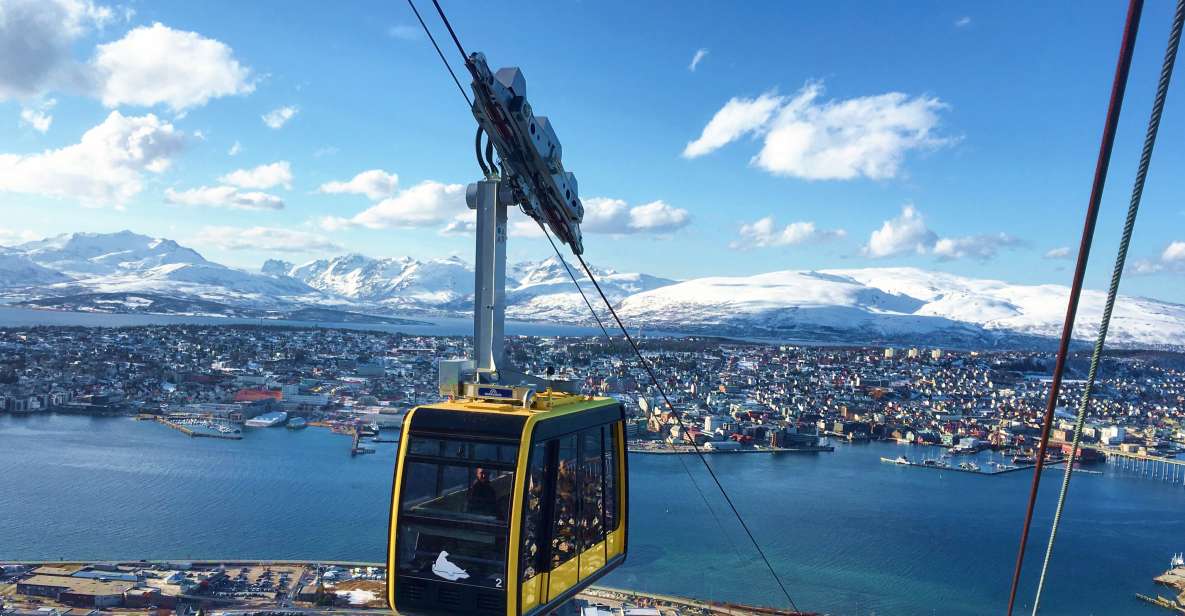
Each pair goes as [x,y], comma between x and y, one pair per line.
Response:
[267,420]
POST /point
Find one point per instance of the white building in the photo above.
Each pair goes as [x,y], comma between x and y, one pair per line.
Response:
[1112,435]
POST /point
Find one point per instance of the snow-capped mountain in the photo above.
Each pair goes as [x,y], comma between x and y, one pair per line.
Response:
[123,262]
[535,289]
[904,305]
[89,254]
[844,306]
[393,282]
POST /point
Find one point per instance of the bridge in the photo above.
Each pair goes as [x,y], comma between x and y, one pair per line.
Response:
[1156,467]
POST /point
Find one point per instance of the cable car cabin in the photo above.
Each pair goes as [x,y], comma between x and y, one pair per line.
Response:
[502,510]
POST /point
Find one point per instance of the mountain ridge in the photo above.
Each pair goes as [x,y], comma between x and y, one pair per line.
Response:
[841,306]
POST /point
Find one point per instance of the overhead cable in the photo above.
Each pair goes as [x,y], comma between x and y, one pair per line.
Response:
[1118,86]
[1162,88]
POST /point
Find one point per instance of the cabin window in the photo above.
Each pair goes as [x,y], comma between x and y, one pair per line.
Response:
[533,505]
[464,450]
[466,555]
[611,470]
[454,507]
[592,472]
[474,493]
[566,502]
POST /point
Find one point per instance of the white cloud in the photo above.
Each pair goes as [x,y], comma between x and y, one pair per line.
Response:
[1061,252]
[404,32]
[264,176]
[269,239]
[908,234]
[156,64]
[430,203]
[657,217]
[963,22]
[602,215]
[235,149]
[37,117]
[697,58]
[1172,259]
[1174,253]
[9,237]
[525,228]
[375,184]
[738,117]
[840,140]
[465,223]
[901,235]
[105,167]
[277,118]
[765,233]
[833,140]
[980,247]
[35,41]
[224,197]
[423,205]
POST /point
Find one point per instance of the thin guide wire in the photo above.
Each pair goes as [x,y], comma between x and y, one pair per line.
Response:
[1162,88]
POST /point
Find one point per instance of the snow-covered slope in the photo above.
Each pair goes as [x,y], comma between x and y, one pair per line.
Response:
[543,289]
[17,270]
[895,304]
[208,281]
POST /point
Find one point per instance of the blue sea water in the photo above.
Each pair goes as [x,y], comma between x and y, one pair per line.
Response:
[849,534]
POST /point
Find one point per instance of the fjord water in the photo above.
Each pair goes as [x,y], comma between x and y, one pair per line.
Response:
[850,534]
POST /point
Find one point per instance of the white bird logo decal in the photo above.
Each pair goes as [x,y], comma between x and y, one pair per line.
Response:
[447,570]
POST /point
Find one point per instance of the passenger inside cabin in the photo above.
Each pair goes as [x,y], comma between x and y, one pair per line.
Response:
[481,498]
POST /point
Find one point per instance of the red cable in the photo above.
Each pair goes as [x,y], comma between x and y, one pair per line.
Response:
[1130,28]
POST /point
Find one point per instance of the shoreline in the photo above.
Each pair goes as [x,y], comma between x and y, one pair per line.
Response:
[592,593]
[685,450]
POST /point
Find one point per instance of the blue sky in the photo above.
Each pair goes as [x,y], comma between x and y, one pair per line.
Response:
[952,136]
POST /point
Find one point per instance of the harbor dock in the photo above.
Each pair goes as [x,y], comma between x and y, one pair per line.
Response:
[189,430]
[671,450]
[976,470]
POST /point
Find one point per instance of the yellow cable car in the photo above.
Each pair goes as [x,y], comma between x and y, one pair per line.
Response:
[506,509]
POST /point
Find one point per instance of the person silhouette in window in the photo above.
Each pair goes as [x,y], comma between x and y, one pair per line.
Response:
[481,498]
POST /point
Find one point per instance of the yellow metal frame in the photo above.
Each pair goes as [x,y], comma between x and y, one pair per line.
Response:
[546,406]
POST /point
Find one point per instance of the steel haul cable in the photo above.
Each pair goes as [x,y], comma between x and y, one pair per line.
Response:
[645,364]
[571,275]
[1118,86]
[1162,87]
[440,53]
[609,341]
[683,428]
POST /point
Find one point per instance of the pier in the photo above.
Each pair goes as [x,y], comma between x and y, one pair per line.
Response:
[999,470]
[1154,467]
[1174,578]
[688,449]
[356,447]
[188,431]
